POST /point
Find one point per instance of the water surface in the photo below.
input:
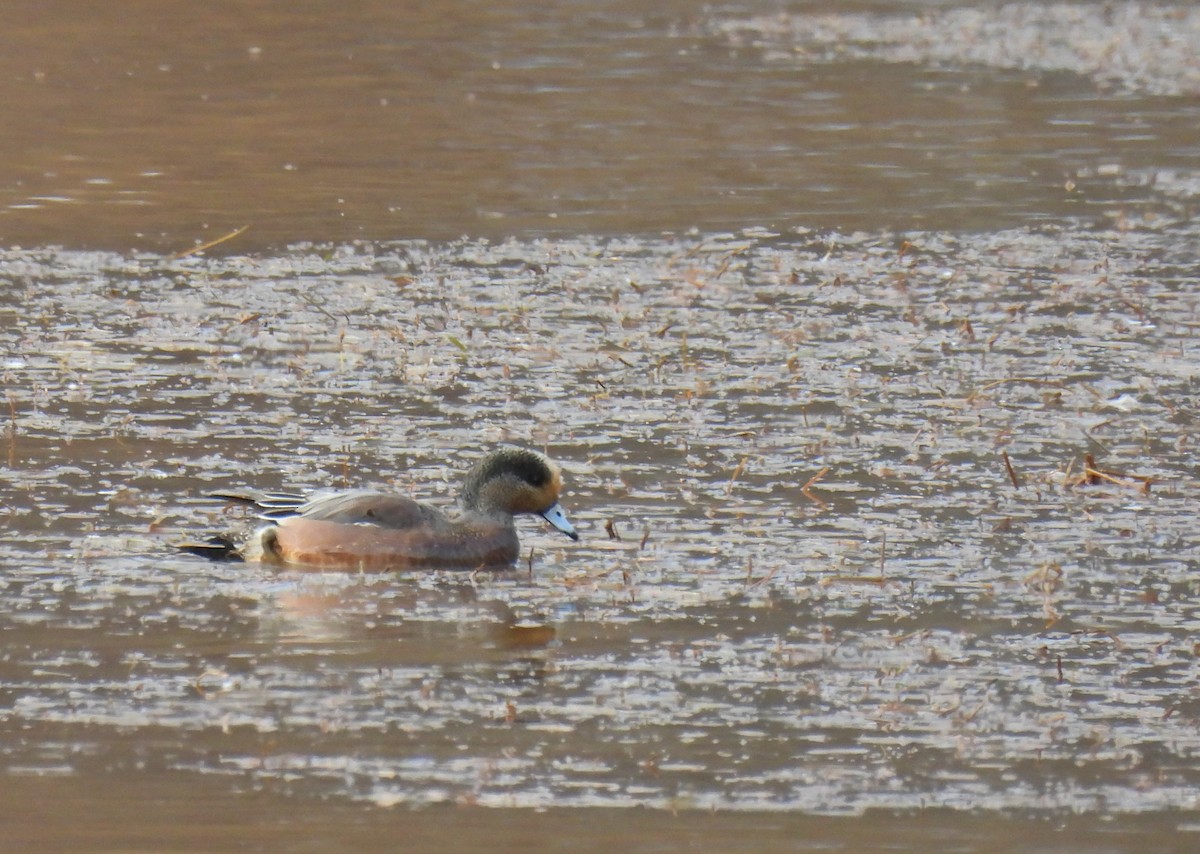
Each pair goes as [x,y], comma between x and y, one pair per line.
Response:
[870,334]
[165,124]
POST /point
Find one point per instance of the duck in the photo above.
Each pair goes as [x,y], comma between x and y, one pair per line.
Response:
[368,530]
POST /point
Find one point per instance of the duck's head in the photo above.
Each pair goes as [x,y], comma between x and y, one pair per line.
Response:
[515,480]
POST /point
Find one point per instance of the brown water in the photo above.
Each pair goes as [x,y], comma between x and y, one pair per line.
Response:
[159,124]
[868,594]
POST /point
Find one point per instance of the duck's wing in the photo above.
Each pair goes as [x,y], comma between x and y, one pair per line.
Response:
[360,507]
[270,505]
[371,508]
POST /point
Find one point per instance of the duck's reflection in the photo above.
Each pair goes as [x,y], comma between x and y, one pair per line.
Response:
[438,618]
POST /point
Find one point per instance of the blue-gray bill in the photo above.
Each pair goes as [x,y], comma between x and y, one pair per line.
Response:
[557,517]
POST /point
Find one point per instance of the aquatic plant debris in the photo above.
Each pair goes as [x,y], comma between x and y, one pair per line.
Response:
[1143,47]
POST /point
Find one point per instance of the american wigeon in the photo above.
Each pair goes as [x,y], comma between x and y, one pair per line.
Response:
[378,531]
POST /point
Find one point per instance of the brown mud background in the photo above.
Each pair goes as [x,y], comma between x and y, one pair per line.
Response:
[871,335]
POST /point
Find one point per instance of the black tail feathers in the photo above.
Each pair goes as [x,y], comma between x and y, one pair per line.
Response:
[214,548]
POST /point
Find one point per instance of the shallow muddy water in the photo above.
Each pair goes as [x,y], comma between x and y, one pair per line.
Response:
[896,447]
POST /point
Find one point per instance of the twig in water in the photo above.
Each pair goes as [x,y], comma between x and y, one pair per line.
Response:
[186,252]
[1012,474]
[806,490]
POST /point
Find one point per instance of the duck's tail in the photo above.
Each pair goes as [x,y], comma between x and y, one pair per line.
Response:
[214,548]
[271,506]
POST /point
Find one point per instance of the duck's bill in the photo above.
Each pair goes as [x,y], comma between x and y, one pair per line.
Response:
[557,517]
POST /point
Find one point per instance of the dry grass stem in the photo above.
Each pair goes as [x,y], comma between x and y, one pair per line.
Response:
[1012,474]
[806,490]
[737,472]
[197,249]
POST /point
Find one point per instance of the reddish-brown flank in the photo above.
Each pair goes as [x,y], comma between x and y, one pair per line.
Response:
[370,548]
